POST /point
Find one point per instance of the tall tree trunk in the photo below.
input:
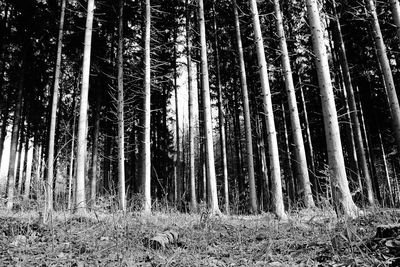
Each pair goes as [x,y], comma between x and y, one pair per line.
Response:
[343,202]
[15,131]
[386,70]
[246,111]
[210,167]
[20,155]
[359,144]
[276,185]
[386,170]
[95,150]
[299,150]
[53,118]
[290,183]
[396,15]
[192,169]
[221,116]
[80,202]
[120,107]
[145,167]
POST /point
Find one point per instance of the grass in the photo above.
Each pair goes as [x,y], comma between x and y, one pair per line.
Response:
[308,238]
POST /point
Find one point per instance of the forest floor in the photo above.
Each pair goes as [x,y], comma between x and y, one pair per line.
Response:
[308,238]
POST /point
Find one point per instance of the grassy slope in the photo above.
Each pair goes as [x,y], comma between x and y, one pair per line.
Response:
[309,238]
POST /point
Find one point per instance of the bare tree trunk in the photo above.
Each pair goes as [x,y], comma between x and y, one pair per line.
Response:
[276,185]
[14,133]
[210,167]
[386,70]
[290,183]
[192,169]
[80,202]
[396,15]
[53,118]
[299,150]
[120,107]
[221,116]
[340,189]
[385,167]
[246,111]
[145,167]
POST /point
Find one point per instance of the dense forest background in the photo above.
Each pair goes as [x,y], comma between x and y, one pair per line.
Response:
[132,39]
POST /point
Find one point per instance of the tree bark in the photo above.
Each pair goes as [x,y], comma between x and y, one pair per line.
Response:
[210,167]
[80,202]
[221,116]
[276,185]
[299,150]
[145,167]
[120,111]
[53,118]
[192,122]
[343,202]
[386,70]
[246,111]
[396,16]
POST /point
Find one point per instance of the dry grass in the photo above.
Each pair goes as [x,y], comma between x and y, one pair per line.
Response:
[308,238]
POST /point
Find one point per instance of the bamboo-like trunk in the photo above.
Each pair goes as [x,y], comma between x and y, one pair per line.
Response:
[80,202]
[276,183]
[299,150]
[343,202]
[210,167]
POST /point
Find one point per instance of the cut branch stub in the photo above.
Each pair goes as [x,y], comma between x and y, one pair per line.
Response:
[162,240]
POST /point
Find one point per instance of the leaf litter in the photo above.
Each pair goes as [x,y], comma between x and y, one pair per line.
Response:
[308,238]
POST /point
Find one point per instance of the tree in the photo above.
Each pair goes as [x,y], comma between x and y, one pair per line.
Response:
[246,110]
[221,115]
[191,92]
[396,16]
[209,145]
[51,157]
[80,202]
[120,112]
[299,150]
[386,70]
[343,202]
[359,144]
[276,183]
[145,167]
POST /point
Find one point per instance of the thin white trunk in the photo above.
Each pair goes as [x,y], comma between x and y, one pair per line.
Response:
[340,189]
[80,201]
[299,150]
[145,151]
[246,111]
[120,111]
[53,119]
[192,170]
[396,15]
[386,70]
[210,167]
[276,183]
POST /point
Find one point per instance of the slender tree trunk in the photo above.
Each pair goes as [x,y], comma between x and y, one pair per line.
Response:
[396,15]
[211,177]
[385,167]
[95,150]
[192,169]
[290,183]
[15,131]
[221,116]
[145,167]
[53,118]
[299,150]
[120,107]
[340,189]
[359,144]
[20,156]
[386,70]
[276,184]
[80,202]
[263,161]
[246,111]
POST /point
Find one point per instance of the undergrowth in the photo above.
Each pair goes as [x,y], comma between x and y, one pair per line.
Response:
[105,237]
